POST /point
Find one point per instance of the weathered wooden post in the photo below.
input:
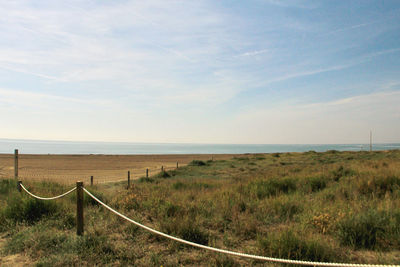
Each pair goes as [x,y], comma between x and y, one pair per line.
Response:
[19,186]
[91,180]
[147,173]
[79,208]
[129,179]
[16,164]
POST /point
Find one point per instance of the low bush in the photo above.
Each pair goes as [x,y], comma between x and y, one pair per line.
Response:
[341,172]
[315,184]
[163,174]
[291,246]
[184,228]
[196,162]
[379,185]
[285,210]
[363,230]
[146,180]
[29,210]
[272,187]
[89,201]
[7,185]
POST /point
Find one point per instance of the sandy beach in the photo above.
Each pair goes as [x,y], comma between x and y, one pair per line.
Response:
[104,168]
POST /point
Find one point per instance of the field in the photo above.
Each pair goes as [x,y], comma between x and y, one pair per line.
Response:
[332,206]
[68,169]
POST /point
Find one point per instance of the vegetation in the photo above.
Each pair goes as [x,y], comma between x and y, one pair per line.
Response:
[333,206]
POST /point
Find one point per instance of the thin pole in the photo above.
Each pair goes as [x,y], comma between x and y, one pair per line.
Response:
[162,168]
[129,179]
[79,208]
[91,180]
[370,141]
[16,164]
[147,173]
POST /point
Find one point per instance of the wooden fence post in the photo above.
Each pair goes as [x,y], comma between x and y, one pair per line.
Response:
[91,180]
[79,208]
[16,164]
[129,179]
[19,186]
[147,173]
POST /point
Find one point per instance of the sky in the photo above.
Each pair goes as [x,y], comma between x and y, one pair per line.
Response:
[248,72]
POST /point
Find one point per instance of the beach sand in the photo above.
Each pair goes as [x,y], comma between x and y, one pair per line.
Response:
[104,168]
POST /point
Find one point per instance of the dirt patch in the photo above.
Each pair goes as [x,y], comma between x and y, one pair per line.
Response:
[14,259]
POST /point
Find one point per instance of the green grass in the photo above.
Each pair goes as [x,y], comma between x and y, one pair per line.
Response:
[333,206]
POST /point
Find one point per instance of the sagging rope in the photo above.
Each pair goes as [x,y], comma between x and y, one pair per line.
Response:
[46,198]
[250,256]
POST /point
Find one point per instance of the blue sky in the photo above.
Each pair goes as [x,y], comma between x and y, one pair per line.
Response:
[262,71]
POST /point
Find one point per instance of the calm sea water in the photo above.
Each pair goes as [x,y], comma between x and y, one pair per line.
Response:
[67,147]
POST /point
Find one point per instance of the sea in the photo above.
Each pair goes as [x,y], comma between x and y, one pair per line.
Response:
[125,148]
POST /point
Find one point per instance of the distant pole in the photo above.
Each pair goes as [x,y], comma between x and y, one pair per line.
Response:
[147,173]
[129,179]
[162,168]
[370,141]
[91,180]
[16,164]
[79,208]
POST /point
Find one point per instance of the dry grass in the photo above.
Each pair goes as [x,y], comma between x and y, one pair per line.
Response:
[333,206]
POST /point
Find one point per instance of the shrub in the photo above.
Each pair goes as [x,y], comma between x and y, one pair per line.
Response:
[316,183]
[285,210]
[193,233]
[185,228]
[170,210]
[29,210]
[89,201]
[163,174]
[179,185]
[7,185]
[363,230]
[289,245]
[94,244]
[341,172]
[146,180]
[332,151]
[272,187]
[379,186]
[196,162]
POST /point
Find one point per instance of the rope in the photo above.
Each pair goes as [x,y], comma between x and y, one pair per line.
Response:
[232,252]
[47,198]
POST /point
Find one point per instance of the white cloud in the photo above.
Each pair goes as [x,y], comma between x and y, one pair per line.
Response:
[347,120]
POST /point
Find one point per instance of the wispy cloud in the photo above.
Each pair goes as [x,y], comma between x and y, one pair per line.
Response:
[254,53]
[123,60]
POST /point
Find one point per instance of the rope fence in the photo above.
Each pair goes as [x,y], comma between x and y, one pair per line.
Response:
[45,198]
[47,174]
[80,189]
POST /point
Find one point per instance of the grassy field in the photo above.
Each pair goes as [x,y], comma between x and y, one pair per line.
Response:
[332,206]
